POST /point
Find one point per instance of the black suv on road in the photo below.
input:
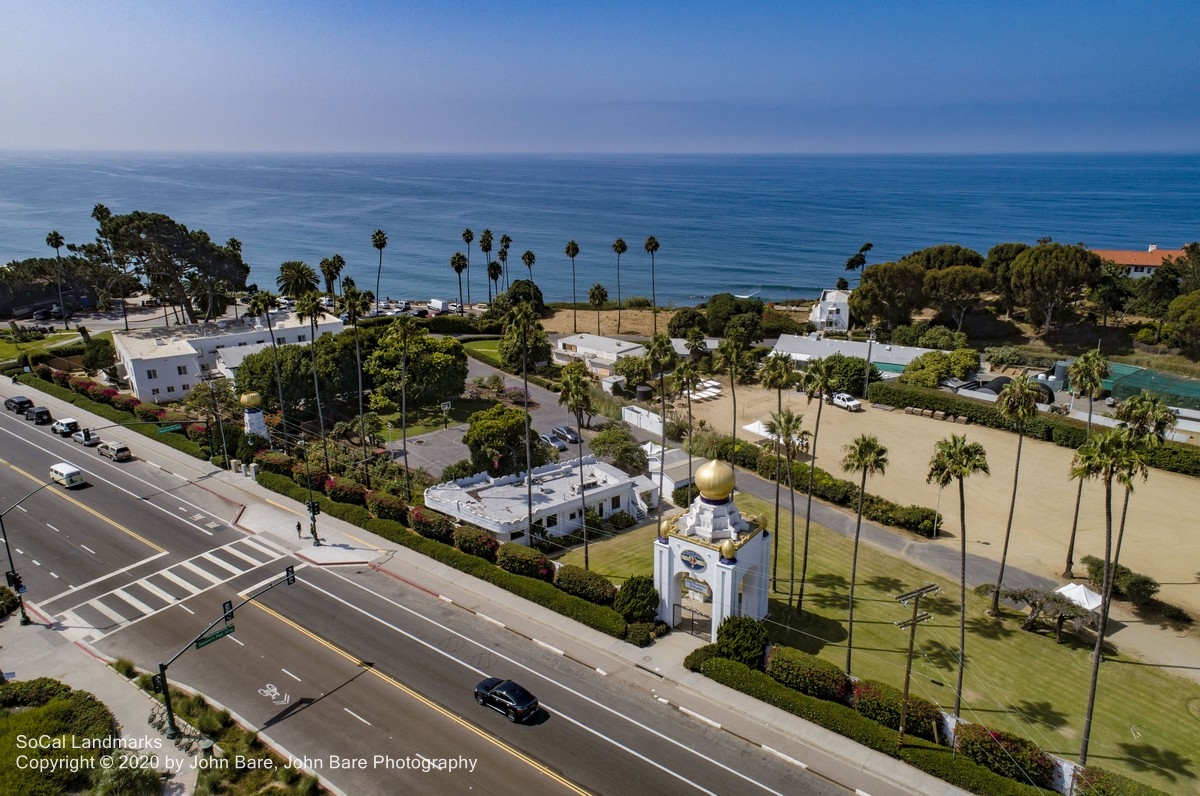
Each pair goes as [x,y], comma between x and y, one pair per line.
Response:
[507,697]
[18,403]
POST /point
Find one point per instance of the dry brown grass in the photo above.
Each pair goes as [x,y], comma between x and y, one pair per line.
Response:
[639,323]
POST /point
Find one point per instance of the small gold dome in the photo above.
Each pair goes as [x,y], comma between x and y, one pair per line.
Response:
[715,480]
[251,399]
[728,550]
[666,526]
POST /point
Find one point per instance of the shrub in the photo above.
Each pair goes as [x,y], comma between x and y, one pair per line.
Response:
[882,703]
[460,469]
[743,639]
[275,462]
[1098,782]
[1001,356]
[591,586]
[521,560]
[621,520]
[945,764]
[344,490]
[638,303]
[125,402]
[476,542]
[696,658]
[1008,755]
[387,507]
[148,412]
[808,674]
[640,634]
[637,599]
[1126,584]
[8,601]
[684,495]
[431,525]
[1139,589]
[125,667]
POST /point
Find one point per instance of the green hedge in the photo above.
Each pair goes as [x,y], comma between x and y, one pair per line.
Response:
[1008,755]
[882,703]
[943,763]
[591,586]
[1098,782]
[808,674]
[597,617]
[1128,585]
[1174,457]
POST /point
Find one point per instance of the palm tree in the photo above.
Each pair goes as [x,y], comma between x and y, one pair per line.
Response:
[686,380]
[598,297]
[468,236]
[1149,420]
[529,258]
[261,304]
[55,241]
[459,263]
[522,318]
[1108,456]
[355,304]
[867,455]
[619,248]
[309,307]
[728,357]
[406,327]
[778,372]
[1018,404]
[660,353]
[331,269]
[572,251]
[1085,375]
[785,427]
[485,246]
[576,396]
[296,279]
[502,255]
[379,241]
[495,270]
[957,459]
[651,246]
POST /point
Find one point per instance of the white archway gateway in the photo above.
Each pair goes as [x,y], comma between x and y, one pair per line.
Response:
[712,553]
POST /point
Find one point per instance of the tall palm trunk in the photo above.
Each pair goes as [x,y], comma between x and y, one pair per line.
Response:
[362,423]
[662,453]
[862,490]
[1068,570]
[962,599]
[792,556]
[653,296]
[775,557]
[618,294]
[1098,652]
[312,325]
[812,467]
[278,381]
[528,446]
[404,413]
[1012,508]
[733,395]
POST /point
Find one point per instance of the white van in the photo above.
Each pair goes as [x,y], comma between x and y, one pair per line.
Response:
[439,305]
[66,474]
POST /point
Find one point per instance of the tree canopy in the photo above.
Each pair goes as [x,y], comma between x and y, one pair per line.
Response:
[956,289]
[722,307]
[946,255]
[1050,276]
[890,292]
[437,368]
[1184,317]
[496,440]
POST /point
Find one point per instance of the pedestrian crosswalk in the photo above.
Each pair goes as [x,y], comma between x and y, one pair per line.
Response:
[109,612]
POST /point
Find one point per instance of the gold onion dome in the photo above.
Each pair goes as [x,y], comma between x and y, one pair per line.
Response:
[715,480]
[251,399]
[666,526]
[728,550]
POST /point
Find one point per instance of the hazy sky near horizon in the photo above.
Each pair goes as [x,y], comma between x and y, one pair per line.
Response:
[601,76]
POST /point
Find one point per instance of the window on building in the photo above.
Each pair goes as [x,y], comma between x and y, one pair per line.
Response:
[152,373]
[552,521]
[616,502]
[187,387]
[302,338]
[154,391]
[280,341]
[222,345]
[181,370]
[171,389]
[203,366]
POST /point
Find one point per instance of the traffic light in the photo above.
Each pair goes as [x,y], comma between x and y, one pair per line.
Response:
[156,681]
[290,572]
[8,578]
[14,582]
[228,608]
[314,508]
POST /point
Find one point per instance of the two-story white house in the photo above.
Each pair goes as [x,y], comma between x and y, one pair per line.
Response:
[598,353]
[163,364]
[832,312]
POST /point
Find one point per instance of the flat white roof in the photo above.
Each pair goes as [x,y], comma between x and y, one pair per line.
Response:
[165,341]
[606,345]
[814,346]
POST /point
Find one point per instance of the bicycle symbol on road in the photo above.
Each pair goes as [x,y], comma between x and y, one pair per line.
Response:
[272,693]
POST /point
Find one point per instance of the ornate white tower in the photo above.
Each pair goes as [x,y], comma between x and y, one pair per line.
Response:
[255,423]
[713,552]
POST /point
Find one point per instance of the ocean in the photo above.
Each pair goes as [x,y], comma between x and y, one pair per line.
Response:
[782,226]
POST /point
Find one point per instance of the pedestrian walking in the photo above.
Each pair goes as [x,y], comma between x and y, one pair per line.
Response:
[299,531]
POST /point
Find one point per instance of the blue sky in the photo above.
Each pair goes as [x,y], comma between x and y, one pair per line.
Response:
[649,76]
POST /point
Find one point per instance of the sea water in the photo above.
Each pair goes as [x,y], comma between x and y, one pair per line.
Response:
[782,226]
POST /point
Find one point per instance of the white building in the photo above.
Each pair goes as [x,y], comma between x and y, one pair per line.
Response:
[163,364]
[1141,262]
[598,353]
[887,358]
[675,466]
[832,311]
[500,505]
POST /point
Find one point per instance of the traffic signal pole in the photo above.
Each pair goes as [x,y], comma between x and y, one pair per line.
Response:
[12,578]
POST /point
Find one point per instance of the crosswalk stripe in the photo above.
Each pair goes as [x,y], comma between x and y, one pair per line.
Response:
[271,554]
[134,601]
[104,609]
[222,564]
[157,592]
[178,581]
[206,575]
[248,559]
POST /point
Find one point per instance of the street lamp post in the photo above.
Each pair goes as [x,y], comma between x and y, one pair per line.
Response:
[14,578]
[867,375]
[220,425]
[312,504]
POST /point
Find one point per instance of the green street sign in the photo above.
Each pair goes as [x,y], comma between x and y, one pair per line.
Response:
[169,429]
[209,639]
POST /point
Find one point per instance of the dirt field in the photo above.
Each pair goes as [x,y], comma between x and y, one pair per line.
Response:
[633,322]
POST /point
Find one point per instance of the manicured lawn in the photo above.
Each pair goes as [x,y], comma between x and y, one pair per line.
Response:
[424,419]
[1016,681]
[485,350]
[10,350]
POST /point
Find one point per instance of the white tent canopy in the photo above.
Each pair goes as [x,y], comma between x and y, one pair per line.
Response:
[760,428]
[1080,595]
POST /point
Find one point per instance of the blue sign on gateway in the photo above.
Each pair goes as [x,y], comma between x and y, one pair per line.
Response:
[692,560]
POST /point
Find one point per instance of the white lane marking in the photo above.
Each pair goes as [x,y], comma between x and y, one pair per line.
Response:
[222,564]
[696,715]
[515,663]
[102,578]
[51,527]
[157,592]
[782,756]
[289,674]
[602,673]
[36,563]
[178,581]
[860,792]
[22,508]
[134,601]
[259,544]
[189,610]
[190,567]
[234,638]
[544,645]
[54,575]
[487,618]
[446,599]
[355,715]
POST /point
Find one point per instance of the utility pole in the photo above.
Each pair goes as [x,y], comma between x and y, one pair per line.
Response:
[917,617]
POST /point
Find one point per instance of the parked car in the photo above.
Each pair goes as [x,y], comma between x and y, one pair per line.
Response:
[847,401]
[86,437]
[41,315]
[18,403]
[65,427]
[38,414]
[454,307]
[554,442]
[507,697]
[566,434]
[56,312]
[419,313]
[115,451]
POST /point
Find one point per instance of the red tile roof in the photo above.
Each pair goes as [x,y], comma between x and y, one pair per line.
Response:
[1142,257]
